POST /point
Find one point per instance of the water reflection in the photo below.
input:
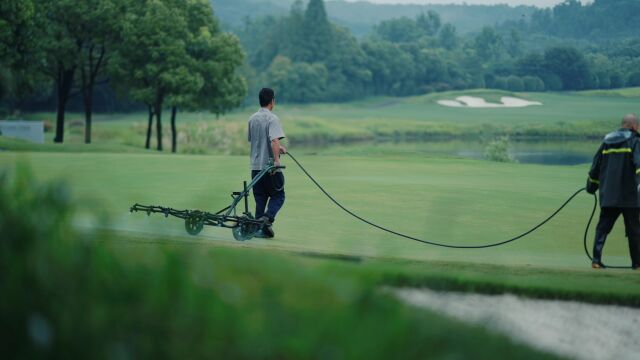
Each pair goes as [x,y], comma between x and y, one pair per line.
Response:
[547,152]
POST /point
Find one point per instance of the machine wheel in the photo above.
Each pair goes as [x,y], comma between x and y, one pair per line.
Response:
[245,231]
[194,224]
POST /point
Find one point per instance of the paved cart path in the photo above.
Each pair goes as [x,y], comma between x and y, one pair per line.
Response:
[566,328]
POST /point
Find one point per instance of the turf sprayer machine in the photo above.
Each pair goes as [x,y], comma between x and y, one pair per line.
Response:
[244,226]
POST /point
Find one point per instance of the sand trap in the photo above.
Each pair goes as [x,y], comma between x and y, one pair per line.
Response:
[476,102]
[566,328]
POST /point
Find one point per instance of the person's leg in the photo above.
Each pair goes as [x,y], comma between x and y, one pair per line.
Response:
[260,195]
[632,226]
[276,195]
[608,218]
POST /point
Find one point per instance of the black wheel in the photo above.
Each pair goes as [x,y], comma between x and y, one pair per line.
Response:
[245,231]
[194,224]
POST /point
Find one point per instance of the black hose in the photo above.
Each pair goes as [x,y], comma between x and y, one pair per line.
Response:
[457,246]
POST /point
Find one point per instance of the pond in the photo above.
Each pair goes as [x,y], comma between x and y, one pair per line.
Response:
[547,152]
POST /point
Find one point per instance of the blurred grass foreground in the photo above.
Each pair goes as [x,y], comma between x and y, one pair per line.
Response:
[78,294]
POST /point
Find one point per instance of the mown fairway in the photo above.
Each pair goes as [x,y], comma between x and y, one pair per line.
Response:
[447,200]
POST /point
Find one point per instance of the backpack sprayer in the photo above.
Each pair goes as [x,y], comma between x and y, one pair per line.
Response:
[245,226]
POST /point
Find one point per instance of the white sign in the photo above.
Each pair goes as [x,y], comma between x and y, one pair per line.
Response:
[27,130]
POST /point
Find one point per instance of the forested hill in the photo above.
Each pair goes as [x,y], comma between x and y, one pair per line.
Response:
[360,17]
[600,20]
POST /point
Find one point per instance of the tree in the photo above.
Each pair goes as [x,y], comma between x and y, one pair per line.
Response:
[318,35]
[515,83]
[402,30]
[215,58]
[531,64]
[61,38]
[391,68]
[488,44]
[151,63]
[447,37]
[20,51]
[514,43]
[430,24]
[173,53]
[569,65]
[100,31]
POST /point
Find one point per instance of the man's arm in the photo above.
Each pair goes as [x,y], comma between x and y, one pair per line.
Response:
[593,182]
[277,149]
[636,158]
[276,134]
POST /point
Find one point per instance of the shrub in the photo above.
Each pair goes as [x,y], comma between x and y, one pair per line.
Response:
[500,83]
[498,150]
[617,81]
[634,79]
[533,83]
[514,83]
[552,82]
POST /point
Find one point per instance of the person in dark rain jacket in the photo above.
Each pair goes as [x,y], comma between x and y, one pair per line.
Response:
[615,172]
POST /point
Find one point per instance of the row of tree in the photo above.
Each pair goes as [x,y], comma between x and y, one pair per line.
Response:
[310,59]
[163,53]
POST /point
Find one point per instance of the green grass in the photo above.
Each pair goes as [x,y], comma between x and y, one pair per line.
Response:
[104,294]
[576,115]
[625,92]
[447,200]
[317,287]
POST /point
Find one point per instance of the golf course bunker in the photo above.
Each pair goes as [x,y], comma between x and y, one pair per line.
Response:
[567,328]
[477,102]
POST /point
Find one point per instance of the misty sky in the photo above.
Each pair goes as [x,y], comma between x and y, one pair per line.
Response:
[539,3]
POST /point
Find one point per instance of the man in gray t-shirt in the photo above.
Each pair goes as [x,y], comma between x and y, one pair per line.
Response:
[264,134]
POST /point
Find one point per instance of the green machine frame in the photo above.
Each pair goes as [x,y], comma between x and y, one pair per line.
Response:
[243,226]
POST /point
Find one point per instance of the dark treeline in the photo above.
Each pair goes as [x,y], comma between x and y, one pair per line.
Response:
[308,58]
[159,53]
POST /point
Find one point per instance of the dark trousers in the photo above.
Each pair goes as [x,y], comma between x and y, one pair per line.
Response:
[269,194]
[608,217]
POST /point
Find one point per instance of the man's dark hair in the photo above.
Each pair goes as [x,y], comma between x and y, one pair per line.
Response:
[266,96]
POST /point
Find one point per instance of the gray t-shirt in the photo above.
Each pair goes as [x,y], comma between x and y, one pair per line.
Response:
[264,126]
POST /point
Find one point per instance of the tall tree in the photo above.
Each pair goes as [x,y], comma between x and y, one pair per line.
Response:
[318,34]
[20,52]
[101,29]
[152,60]
[213,60]
[61,39]
[430,23]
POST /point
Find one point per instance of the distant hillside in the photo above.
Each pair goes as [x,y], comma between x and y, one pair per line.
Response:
[360,17]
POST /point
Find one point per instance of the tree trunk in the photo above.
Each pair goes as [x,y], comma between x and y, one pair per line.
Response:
[88,110]
[89,76]
[158,112]
[64,81]
[174,144]
[149,126]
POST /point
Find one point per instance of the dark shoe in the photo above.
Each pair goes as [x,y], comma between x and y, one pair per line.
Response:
[597,265]
[266,232]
